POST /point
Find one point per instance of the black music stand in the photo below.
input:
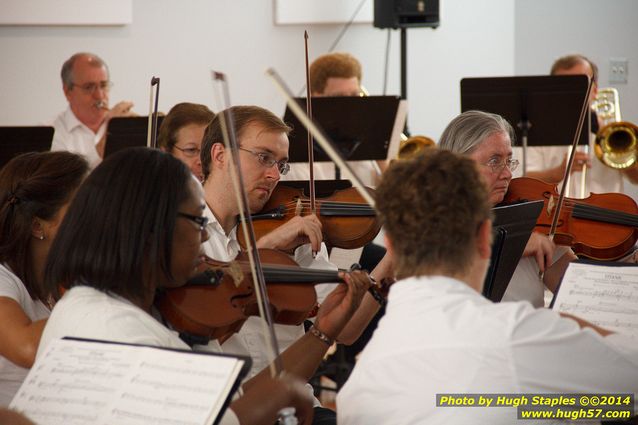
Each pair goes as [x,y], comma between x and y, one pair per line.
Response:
[512,227]
[544,110]
[127,132]
[363,128]
[17,140]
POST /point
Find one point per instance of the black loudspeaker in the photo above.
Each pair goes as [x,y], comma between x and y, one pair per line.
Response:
[406,13]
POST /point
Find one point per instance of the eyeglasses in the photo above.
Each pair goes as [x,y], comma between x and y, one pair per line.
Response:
[202,222]
[189,152]
[497,165]
[90,88]
[268,161]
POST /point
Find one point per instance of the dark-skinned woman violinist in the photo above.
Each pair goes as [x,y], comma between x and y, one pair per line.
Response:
[119,244]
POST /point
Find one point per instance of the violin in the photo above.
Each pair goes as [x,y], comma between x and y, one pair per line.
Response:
[347,221]
[218,300]
[601,227]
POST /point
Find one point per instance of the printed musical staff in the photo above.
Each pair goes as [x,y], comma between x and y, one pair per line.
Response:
[604,295]
[94,383]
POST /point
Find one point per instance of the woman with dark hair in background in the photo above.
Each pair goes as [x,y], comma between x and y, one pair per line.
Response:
[35,190]
[182,131]
[136,226]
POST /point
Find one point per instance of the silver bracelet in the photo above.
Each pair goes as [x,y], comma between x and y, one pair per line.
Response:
[322,336]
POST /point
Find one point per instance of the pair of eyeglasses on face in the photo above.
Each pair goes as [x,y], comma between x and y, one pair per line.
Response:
[201,221]
[267,160]
[189,152]
[497,165]
[90,88]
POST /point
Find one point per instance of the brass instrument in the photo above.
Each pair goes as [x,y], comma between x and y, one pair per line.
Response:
[617,141]
[607,105]
[412,146]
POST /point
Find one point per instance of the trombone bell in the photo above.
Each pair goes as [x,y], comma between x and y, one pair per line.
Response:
[413,146]
[616,144]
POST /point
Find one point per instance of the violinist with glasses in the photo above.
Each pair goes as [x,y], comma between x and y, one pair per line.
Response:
[487,139]
[263,153]
[182,131]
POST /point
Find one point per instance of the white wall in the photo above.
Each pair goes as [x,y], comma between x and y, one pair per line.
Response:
[599,29]
[181,41]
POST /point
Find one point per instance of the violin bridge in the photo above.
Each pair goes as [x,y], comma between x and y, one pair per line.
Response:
[551,203]
[236,273]
[298,207]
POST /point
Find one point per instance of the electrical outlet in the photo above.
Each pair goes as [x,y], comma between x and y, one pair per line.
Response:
[618,68]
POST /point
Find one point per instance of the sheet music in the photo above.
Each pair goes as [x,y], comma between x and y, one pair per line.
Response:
[344,258]
[82,383]
[604,295]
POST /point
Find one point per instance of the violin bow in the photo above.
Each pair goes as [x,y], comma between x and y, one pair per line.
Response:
[570,162]
[151,136]
[313,128]
[311,155]
[259,282]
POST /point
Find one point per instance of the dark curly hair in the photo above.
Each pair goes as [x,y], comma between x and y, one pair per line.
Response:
[431,208]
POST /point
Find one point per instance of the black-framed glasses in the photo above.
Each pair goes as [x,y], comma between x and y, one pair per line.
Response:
[497,166]
[267,160]
[201,221]
[90,88]
[189,152]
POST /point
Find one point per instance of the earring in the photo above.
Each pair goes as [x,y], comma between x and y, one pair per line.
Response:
[41,237]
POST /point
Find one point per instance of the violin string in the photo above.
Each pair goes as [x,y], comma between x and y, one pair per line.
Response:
[334,206]
[339,207]
[335,212]
[583,205]
[291,268]
[304,203]
[300,273]
[619,217]
[594,212]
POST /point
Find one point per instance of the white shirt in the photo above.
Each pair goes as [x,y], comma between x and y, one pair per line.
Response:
[249,341]
[440,336]
[598,179]
[85,312]
[11,375]
[73,136]
[525,284]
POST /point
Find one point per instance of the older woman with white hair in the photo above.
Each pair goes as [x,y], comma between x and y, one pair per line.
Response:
[487,138]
